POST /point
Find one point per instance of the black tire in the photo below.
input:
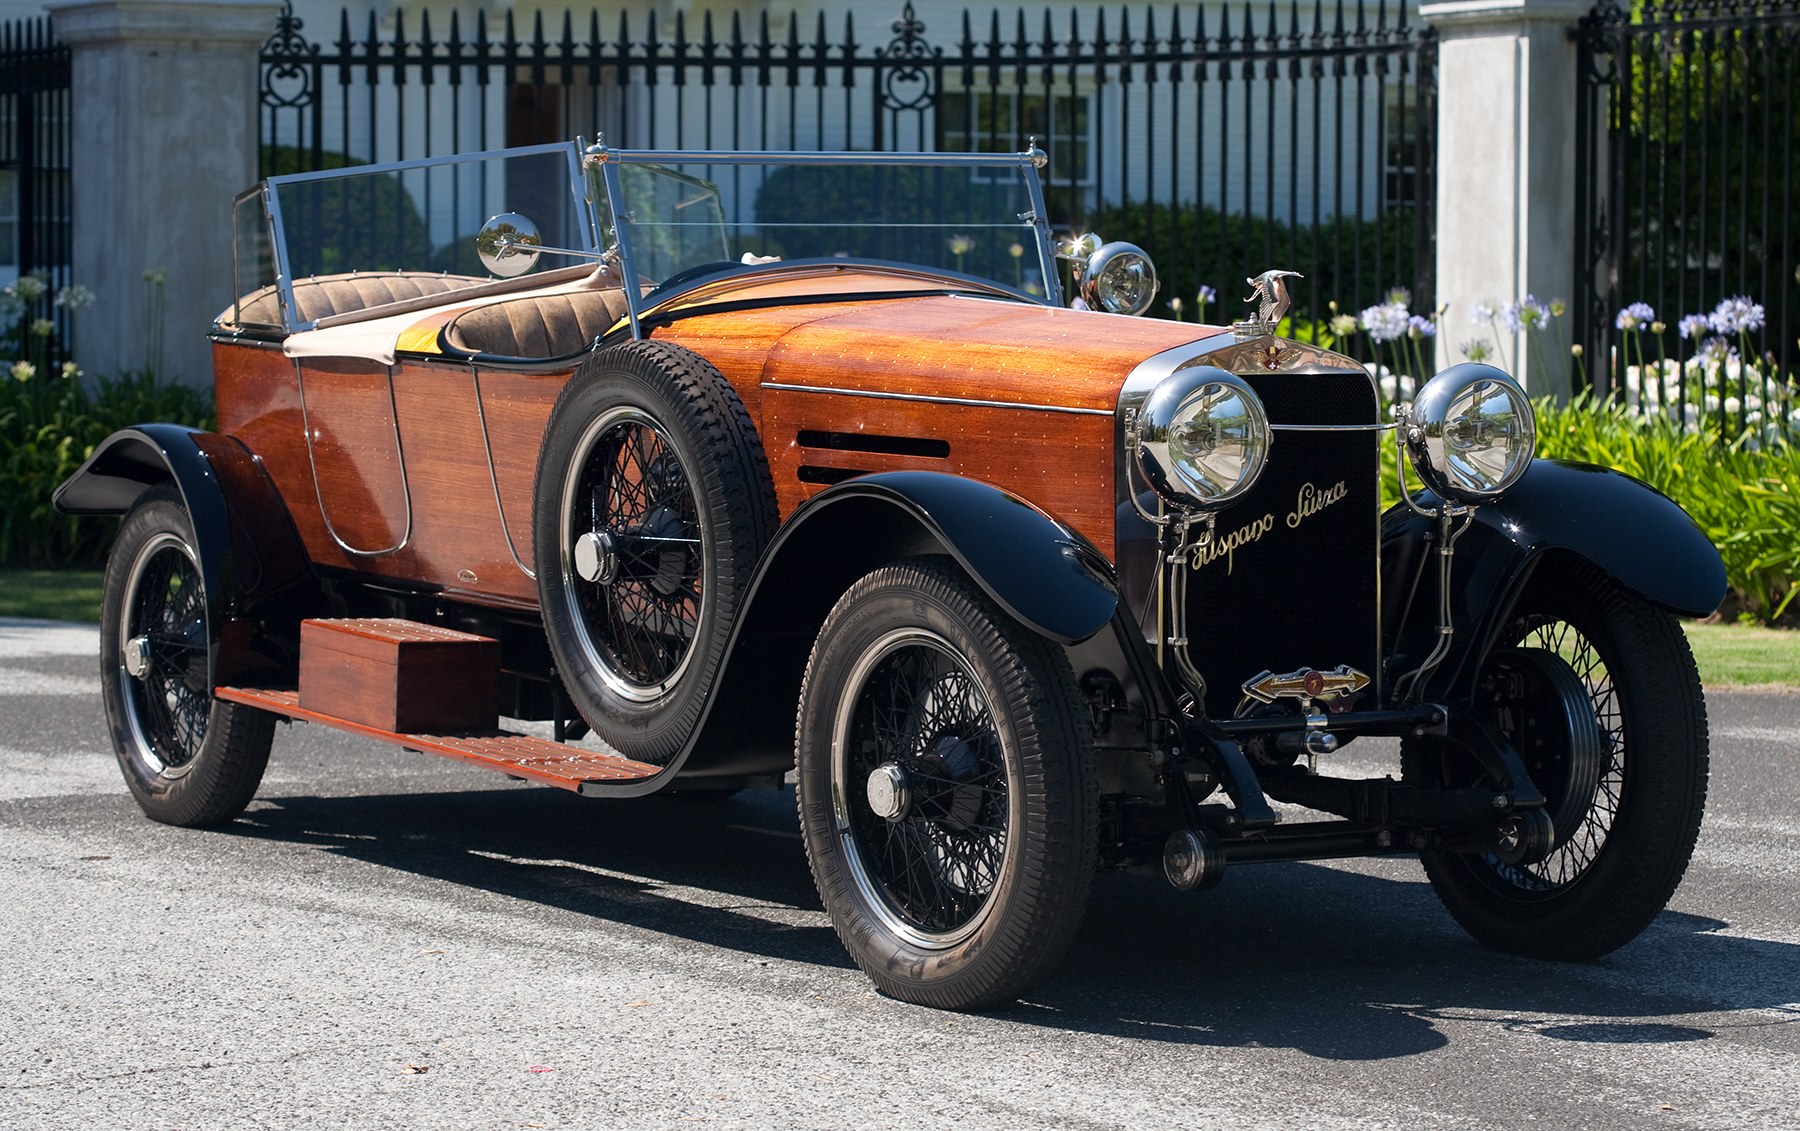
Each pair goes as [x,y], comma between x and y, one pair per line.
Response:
[652,504]
[189,759]
[1626,818]
[971,885]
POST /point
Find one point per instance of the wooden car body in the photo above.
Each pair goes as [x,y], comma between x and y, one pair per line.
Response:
[1011,558]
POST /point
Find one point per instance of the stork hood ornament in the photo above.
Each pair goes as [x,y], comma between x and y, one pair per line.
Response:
[1269,291]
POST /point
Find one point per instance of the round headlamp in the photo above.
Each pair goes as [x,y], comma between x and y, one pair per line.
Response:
[1119,279]
[1471,433]
[1202,438]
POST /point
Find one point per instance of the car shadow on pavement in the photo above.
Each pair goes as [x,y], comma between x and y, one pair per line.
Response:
[724,873]
[1337,964]
[1347,966]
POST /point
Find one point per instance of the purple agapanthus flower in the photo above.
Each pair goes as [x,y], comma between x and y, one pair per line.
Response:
[1385,322]
[1482,313]
[1692,326]
[1533,315]
[1208,296]
[1736,315]
[1714,351]
[1635,317]
[1419,326]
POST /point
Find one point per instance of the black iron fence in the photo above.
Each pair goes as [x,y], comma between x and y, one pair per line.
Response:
[34,173]
[1226,140]
[1689,181]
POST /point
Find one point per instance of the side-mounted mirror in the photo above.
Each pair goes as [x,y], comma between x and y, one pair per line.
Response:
[508,245]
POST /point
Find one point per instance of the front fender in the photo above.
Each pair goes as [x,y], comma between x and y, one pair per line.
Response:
[253,566]
[1637,535]
[1037,569]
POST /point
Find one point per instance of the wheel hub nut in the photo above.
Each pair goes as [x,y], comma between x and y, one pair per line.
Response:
[137,656]
[596,559]
[889,794]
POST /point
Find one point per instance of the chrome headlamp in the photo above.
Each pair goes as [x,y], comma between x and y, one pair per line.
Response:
[1119,279]
[1202,438]
[1471,433]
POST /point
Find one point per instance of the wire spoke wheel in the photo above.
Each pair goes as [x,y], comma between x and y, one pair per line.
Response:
[1584,799]
[1598,693]
[946,788]
[163,640]
[916,718]
[634,554]
[189,759]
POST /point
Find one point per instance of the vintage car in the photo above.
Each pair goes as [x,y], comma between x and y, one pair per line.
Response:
[699,469]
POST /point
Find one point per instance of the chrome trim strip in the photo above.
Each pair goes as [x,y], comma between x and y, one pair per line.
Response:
[487,446]
[601,153]
[928,399]
[1388,427]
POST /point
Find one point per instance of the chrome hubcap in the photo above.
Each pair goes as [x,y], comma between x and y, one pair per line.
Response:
[596,558]
[889,794]
[137,656]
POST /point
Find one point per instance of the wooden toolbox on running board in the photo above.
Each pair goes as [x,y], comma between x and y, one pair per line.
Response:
[400,675]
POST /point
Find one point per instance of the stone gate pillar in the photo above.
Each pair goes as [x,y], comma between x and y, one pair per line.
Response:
[1506,166]
[164,133]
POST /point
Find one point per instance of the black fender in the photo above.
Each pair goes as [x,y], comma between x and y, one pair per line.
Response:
[258,580]
[1039,570]
[1634,533]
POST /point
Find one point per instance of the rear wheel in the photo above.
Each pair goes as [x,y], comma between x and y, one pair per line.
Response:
[1599,693]
[188,758]
[946,789]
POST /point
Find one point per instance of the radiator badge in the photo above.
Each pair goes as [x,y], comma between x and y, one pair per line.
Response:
[1311,500]
[1226,545]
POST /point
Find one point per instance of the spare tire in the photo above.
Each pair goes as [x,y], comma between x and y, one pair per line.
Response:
[651,507]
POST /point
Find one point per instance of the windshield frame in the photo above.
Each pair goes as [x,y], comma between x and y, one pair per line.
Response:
[604,163]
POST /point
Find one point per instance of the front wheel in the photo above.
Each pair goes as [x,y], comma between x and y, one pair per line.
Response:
[946,789]
[189,759]
[1599,693]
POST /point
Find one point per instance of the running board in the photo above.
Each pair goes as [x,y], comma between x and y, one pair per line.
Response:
[520,755]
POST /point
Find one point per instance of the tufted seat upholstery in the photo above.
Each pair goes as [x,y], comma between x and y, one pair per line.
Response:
[325,295]
[555,325]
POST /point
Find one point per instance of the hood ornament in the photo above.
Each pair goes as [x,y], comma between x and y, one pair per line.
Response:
[1269,291]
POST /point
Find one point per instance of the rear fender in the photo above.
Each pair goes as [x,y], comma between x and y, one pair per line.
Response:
[1037,569]
[258,580]
[1635,534]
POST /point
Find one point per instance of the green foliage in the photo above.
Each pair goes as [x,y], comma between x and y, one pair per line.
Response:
[1194,245]
[1746,499]
[49,424]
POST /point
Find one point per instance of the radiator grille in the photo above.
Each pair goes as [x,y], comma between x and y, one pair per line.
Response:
[1300,588]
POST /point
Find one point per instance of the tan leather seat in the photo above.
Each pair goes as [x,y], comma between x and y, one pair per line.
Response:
[543,326]
[326,295]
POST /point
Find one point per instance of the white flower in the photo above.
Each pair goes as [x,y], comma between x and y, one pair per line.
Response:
[1386,322]
[74,297]
[23,371]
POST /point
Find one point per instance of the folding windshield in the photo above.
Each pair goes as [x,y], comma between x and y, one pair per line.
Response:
[402,232]
[971,214]
[421,217]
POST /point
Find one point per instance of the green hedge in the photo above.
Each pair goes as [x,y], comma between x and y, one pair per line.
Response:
[1746,498]
[49,424]
[1233,248]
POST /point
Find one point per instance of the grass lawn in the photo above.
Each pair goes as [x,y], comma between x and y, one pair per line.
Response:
[1730,655]
[53,594]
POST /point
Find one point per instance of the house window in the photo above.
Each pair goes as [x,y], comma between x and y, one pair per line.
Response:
[1000,121]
